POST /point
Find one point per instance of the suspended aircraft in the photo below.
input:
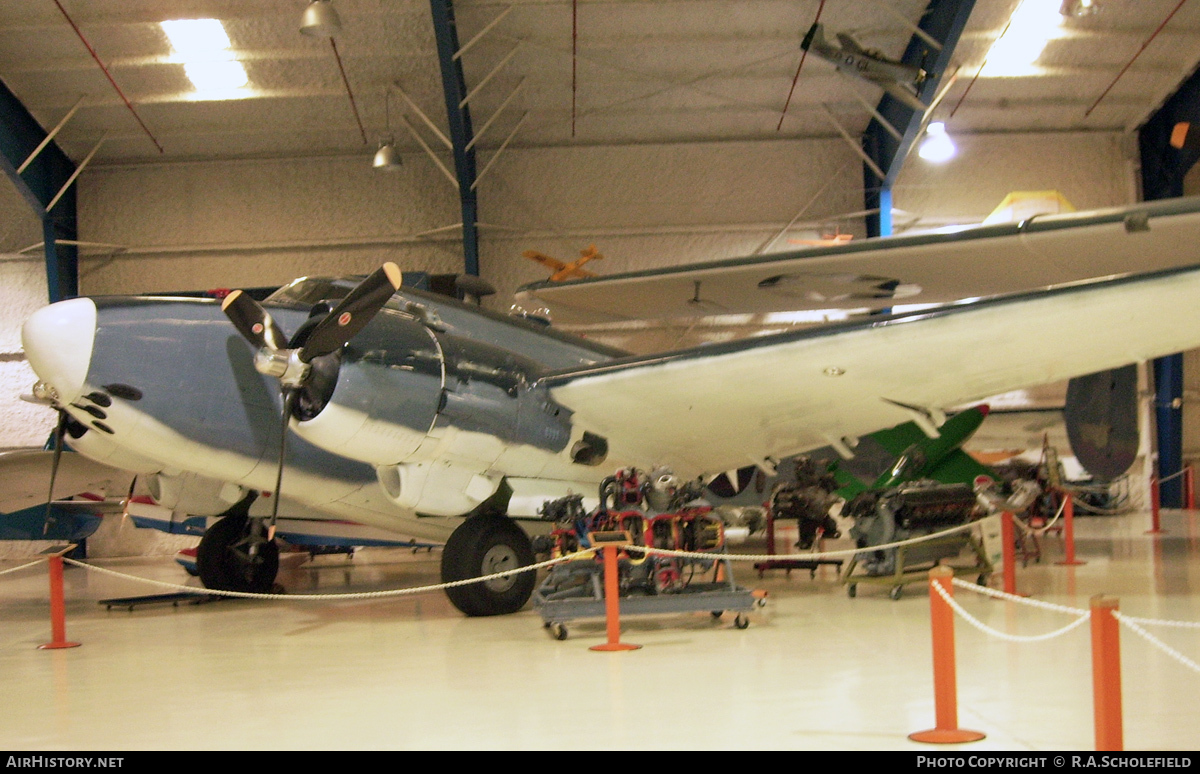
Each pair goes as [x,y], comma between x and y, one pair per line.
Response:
[900,80]
[560,271]
[444,421]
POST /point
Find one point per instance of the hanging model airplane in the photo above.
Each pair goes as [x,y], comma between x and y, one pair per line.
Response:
[560,271]
[445,422]
[900,80]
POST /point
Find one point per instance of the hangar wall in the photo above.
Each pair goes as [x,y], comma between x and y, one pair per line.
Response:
[22,291]
[1090,169]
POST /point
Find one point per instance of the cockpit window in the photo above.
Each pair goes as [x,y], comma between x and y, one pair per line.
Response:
[307,291]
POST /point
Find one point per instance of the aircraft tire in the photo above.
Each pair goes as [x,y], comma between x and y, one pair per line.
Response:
[222,564]
[483,545]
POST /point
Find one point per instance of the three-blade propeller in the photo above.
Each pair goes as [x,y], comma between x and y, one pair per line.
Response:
[291,366]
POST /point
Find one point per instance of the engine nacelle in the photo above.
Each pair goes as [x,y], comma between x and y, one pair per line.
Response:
[192,494]
[436,489]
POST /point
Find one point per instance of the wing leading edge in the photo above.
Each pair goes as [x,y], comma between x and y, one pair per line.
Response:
[941,267]
[711,408]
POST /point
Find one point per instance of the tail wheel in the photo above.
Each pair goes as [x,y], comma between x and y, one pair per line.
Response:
[485,545]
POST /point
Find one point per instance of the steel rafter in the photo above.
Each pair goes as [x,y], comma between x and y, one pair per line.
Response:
[458,112]
[943,21]
[42,180]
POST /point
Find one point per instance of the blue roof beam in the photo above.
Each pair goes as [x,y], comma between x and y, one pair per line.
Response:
[931,48]
[45,183]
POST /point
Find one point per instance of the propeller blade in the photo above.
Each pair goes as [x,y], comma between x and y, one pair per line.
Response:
[353,313]
[289,398]
[60,432]
[253,322]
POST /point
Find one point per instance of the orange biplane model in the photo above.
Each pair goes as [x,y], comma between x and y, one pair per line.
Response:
[561,271]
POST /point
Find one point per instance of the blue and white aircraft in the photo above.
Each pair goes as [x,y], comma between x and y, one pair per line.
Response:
[442,421]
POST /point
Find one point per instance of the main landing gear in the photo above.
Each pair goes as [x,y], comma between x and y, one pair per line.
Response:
[484,545]
[235,555]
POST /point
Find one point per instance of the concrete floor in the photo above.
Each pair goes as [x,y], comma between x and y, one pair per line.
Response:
[815,669]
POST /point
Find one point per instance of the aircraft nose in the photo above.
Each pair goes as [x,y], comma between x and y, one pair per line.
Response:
[58,341]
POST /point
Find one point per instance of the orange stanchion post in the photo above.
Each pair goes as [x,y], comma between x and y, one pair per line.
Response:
[945,681]
[1189,487]
[1009,535]
[612,604]
[1069,530]
[1106,674]
[58,608]
[1155,500]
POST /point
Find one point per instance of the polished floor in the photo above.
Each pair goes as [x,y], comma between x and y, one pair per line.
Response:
[815,669]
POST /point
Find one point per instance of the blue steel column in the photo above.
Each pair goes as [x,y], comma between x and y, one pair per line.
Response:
[1168,417]
[1163,170]
[38,184]
[461,133]
[944,21]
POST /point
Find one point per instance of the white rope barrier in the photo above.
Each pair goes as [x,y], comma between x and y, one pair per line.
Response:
[1148,637]
[1159,622]
[1040,531]
[527,568]
[312,597]
[1084,615]
[22,567]
[990,592]
[1130,621]
[1176,474]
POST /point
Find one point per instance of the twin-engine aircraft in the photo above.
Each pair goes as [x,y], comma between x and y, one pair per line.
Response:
[442,421]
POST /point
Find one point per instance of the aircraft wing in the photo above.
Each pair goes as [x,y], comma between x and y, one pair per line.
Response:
[876,274]
[25,477]
[706,409]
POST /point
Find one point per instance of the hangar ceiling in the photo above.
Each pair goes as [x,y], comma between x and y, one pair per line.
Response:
[553,73]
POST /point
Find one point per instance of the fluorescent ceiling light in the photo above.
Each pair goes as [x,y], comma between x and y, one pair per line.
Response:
[216,76]
[202,46]
[196,37]
[1034,24]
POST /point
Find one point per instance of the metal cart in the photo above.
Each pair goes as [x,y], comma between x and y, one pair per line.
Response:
[575,590]
[913,563]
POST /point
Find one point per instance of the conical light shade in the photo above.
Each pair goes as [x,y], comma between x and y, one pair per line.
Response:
[386,158]
[320,20]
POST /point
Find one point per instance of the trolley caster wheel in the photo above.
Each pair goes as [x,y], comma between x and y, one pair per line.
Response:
[718,613]
[852,590]
[741,621]
[982,580]
[896,592]
[760,603]
[558,632]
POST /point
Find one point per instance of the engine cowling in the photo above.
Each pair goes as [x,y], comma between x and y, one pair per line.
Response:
[192,494]
[401,390]
[438,488]
[384,396]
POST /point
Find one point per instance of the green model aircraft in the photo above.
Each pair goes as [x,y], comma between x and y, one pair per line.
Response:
[883,459]
[915,456]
